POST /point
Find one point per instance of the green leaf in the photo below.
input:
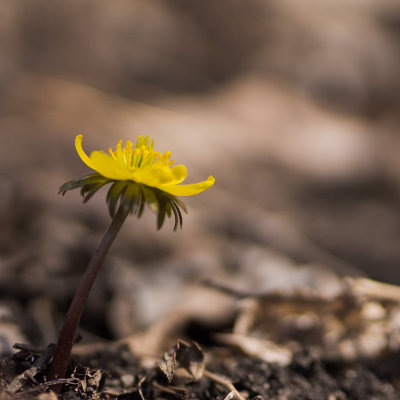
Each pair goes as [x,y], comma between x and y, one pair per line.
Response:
[131,196]
[113,195]
[88,191]
[82,181]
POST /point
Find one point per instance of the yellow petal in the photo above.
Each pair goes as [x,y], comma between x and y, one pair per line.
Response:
[180,173]
[82,154]
[188,190]
[151,176]
[160,176]
[107,166]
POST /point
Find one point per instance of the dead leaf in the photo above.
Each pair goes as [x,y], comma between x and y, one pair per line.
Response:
[184,362]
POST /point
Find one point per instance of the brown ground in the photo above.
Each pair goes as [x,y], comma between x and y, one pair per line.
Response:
[295,111]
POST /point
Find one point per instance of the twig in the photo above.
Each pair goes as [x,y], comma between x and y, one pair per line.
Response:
[140,390]
[28,347]
[373,290]
[45,385]
[224,382]
[300,297]
[168,389]
[29,375]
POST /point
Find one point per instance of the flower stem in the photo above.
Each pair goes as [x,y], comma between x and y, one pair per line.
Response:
[68,332]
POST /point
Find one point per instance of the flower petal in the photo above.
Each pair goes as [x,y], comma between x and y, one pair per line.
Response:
[188,190]
[180,173]
[107,166]
[160,176]
[82,154]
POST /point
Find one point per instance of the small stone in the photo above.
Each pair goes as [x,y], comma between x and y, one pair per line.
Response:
[127,380]
[373,311]
[47,396]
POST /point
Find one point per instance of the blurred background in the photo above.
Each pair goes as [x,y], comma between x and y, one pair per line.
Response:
[294,107]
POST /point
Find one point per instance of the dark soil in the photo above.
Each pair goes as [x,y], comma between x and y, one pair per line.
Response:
[116,374]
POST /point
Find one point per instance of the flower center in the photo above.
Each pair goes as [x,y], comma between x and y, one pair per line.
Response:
[141,155]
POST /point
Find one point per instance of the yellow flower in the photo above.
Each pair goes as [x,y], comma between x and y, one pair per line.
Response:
[142,164]
[139,174]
